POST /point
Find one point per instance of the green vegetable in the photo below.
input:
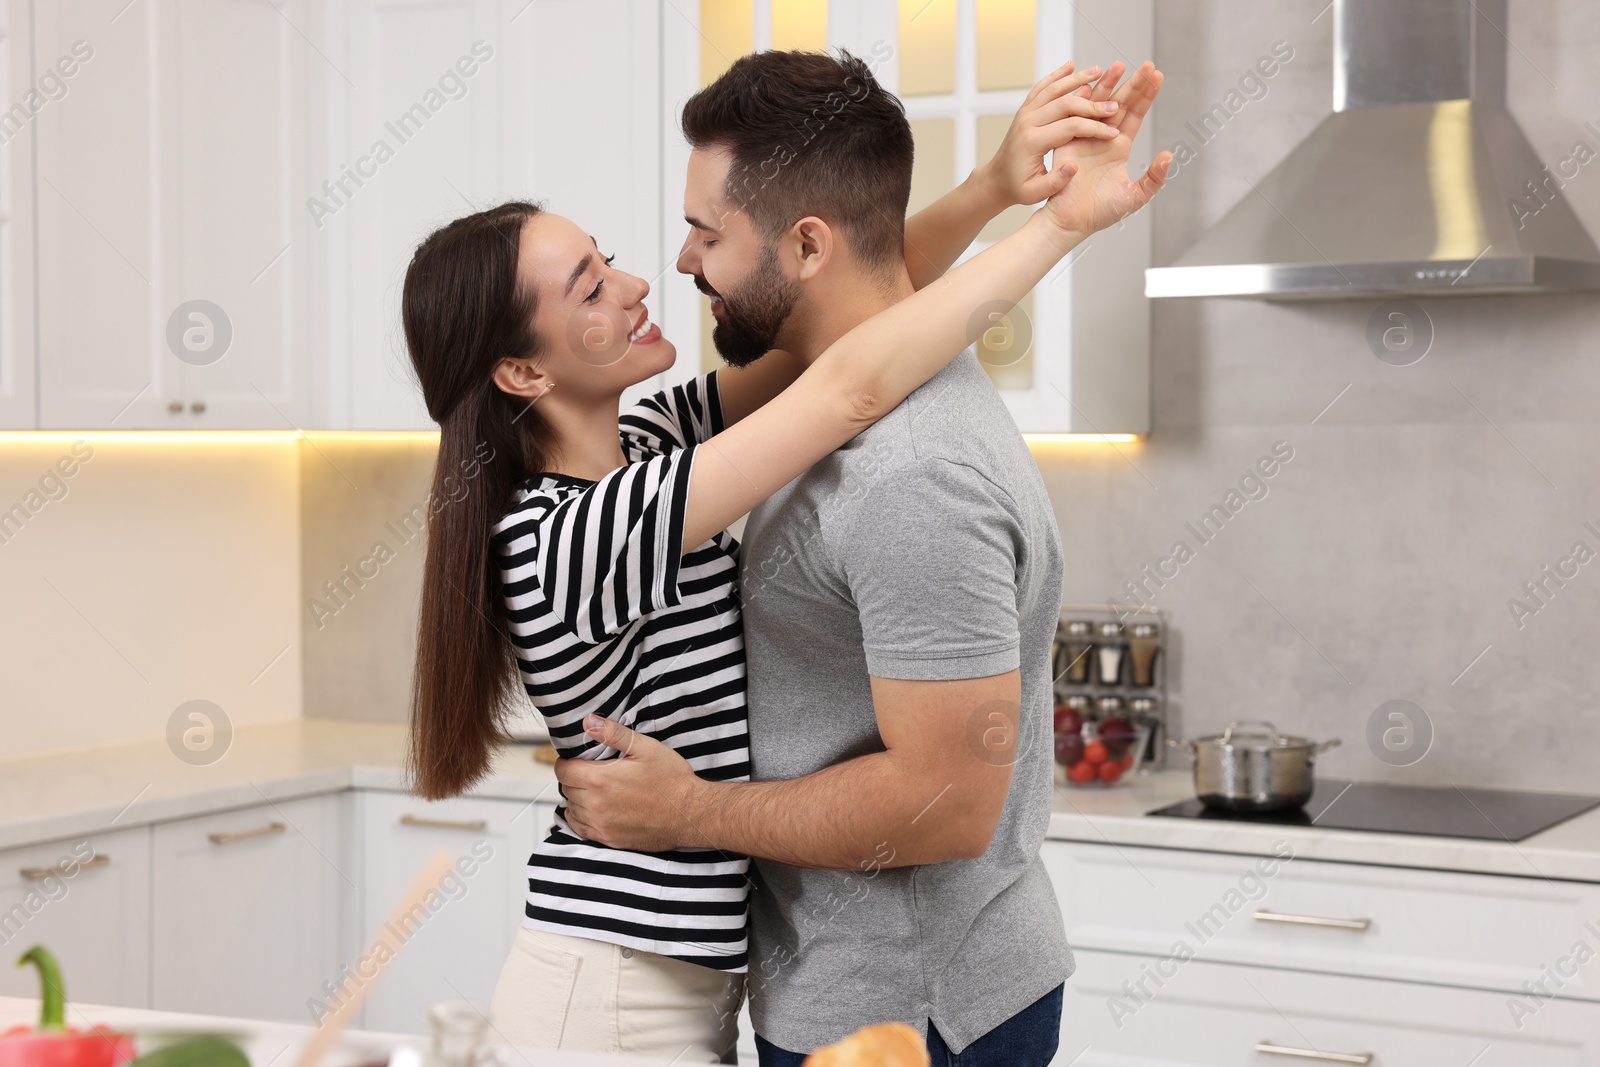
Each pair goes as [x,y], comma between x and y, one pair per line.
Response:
[207,1050]
[52,995]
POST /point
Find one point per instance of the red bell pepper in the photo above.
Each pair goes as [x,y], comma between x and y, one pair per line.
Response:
[52,1043]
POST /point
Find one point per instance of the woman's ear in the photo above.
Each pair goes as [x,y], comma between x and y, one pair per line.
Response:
[812,242]
[522,377]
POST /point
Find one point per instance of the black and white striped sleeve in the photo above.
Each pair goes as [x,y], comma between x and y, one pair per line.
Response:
[604,557]
[686,414]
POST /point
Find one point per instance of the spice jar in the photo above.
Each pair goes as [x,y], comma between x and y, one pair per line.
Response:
[1144,646]
[1109,653]
[1072,655]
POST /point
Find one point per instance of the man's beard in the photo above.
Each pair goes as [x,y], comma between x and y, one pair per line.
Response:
[753,314]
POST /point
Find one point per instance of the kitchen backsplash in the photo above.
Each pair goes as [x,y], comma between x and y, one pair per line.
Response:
[1385,559]
[152,574]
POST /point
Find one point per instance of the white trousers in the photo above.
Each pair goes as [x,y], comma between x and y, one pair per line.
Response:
[566,992]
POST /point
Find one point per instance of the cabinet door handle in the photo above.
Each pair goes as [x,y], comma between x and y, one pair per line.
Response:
[1358,1058]
[240,835]
[445,824]
[175,407]
[34,874]
[1312,920]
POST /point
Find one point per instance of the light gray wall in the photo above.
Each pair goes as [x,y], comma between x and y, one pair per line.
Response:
[1380,563]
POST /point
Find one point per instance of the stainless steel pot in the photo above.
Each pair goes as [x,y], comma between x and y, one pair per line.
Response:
[1250,766]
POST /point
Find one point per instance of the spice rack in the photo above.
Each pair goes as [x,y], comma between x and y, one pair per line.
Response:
[1110,661]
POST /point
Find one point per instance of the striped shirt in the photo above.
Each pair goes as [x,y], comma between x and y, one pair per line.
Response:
[610,616]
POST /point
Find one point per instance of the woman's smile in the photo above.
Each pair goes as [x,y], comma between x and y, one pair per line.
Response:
[645,333]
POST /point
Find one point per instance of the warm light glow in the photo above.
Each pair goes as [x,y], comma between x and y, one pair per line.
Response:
[800,25]
[927,47]
[1082,438]
[375,436]
[1458,224]
[1005,43]
[933,164]
[727,31]
[192,438]
[196,438]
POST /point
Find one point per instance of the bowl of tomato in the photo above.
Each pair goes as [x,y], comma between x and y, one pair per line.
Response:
[1099,754]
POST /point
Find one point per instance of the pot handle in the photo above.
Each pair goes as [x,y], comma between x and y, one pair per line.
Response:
[1181,742]
[1227,735]
[1324,746]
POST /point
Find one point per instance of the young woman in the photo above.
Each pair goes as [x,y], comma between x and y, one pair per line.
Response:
[588,554]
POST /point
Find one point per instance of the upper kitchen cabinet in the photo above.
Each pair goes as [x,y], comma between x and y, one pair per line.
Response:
[17,362]
[1073,356]
[173,239]
[438,108]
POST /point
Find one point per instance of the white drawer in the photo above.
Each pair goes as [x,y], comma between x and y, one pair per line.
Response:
[1215,1015]
[1478,931]
[88,899]
[458,952]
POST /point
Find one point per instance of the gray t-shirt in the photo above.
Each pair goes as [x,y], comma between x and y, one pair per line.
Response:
[924,549]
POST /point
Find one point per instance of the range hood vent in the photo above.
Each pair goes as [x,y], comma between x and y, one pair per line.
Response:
[1419,183]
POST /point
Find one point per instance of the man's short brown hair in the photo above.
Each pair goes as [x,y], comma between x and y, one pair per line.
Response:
[811,134]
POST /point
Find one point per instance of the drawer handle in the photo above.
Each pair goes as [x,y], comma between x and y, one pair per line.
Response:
[240,835]
[1270,1049]
[445,824]
[1313,920]
[34,874]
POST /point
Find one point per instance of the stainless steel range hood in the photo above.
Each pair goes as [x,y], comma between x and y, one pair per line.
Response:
[1419,183]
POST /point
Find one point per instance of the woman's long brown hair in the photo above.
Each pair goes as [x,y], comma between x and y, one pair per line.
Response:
[463,312]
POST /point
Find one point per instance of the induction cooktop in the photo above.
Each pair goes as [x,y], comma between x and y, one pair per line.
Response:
[1448,811]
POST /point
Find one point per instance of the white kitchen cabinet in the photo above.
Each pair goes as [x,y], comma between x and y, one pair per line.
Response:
[18,360]
[456,952]
[1120,1010]
[585,128]
[413,92]
[88,900]
[1329,917]
[438,108]
[173,171]
[1074,356]
[246,908]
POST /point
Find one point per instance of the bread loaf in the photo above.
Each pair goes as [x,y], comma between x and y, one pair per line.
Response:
[884,1045]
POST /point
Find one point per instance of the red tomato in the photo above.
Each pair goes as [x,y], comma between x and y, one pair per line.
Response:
[1082,772]
[1095,752]
[1110,772]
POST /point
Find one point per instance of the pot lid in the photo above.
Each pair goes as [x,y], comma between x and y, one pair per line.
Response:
[1256,735]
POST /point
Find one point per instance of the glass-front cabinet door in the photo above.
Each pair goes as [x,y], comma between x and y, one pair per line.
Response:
[1073,356]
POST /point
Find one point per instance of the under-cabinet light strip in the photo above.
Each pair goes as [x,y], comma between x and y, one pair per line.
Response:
[199,437]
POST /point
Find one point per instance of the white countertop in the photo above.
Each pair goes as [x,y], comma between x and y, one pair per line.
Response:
[266,1043]
[101,787]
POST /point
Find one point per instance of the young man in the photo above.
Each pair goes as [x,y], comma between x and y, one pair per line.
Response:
[899,602]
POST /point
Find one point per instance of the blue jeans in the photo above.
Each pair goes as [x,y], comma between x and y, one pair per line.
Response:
[1027,1039]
